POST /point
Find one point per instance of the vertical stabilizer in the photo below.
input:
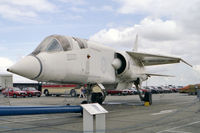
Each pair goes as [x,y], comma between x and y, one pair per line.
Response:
[135,46]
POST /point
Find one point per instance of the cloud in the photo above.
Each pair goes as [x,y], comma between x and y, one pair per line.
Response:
[38,5]
[77,9]
[155,36]
[184,12]
[197,68]
[102,8]
[162,30]
[20,10]
[152,31]
[5,63]
[156,7]
[76,6]
[7,11]
[134,6]
[2,47]
[74,2]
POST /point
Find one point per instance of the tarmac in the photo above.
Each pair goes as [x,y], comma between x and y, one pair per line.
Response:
[169,113]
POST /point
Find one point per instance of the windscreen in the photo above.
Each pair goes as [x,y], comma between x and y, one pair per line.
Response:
[53,44]
[31,89]
[16,89]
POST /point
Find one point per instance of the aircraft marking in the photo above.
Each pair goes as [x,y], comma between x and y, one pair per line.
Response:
[164,112]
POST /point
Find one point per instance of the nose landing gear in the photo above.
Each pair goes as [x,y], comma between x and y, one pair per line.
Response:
[94,94]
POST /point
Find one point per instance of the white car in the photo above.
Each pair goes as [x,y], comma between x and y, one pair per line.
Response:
[127,92]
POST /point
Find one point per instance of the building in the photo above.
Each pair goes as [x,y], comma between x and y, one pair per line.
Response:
[6,80]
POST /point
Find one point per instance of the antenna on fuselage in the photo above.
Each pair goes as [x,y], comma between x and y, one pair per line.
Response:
[135,46]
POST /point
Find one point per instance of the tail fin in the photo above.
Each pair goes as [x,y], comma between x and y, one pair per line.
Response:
[135,47]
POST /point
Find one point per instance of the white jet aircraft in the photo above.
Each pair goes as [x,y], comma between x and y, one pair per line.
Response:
[64,59]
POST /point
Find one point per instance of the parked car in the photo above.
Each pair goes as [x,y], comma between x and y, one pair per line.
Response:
[31,91]
[154,90]
[175,88]
[147,89]
[14,92]
[127,92]
[178,88]
[114,92]
[160,89]
[135,91]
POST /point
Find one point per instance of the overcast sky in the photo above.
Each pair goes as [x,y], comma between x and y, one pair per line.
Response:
[169,27]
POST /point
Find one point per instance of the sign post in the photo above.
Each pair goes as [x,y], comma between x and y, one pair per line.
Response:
[94,118]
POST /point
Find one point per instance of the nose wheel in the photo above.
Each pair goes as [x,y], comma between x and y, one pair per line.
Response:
[97,98]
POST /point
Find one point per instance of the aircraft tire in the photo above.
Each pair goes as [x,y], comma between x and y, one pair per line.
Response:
[14,96]
[73,93]
[97,98]
[84,102]
[46,92]
[148,97]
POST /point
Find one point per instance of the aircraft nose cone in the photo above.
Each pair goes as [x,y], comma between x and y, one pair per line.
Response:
[28,67]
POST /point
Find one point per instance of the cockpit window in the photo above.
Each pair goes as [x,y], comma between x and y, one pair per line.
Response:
[82,43]
[54,46]
[59,43]
[42,46]
[51,43]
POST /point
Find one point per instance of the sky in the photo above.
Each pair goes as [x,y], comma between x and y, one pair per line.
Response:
[166,27]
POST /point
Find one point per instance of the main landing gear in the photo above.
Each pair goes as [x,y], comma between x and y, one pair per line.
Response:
[147,95]
[94,94]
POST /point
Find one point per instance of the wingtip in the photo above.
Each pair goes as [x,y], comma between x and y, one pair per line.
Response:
[186,63]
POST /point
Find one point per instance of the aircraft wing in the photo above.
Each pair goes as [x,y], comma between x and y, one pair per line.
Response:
[153,74]
[151,59]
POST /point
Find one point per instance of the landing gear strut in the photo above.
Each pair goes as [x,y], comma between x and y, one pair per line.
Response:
[93,95]
[147,95]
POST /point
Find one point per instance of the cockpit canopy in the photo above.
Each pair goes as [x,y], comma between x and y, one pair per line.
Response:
[55,43]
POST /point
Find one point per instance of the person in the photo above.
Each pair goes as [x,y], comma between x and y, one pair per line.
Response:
[84,92]
[81,92]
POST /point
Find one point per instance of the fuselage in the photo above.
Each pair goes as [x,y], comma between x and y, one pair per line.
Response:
[64,59]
